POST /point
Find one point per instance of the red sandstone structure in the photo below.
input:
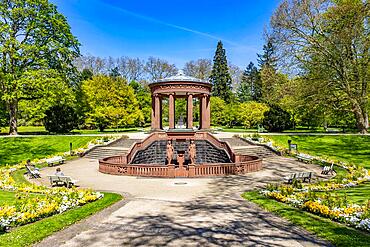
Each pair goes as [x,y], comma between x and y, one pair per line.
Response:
[195,152]
[181,86]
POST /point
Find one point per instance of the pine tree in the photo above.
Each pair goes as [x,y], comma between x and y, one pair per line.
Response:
[220,76]
[268,58]
[250,86]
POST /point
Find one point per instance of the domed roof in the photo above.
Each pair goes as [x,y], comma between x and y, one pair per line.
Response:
[180,76]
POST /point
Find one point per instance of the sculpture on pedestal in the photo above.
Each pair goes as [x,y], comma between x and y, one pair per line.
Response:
[169,152]
[192,152]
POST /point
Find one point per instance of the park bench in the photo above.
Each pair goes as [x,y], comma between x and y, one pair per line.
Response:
[32,173]
[67,181]
[303,176]
[304,158]
[328,169]
[57,160]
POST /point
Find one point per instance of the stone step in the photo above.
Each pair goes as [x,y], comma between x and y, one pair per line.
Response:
[234,142]
[102,152]
[259,151]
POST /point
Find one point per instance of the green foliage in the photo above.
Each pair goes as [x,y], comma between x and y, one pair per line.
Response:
[277,119]
[112,103]
[60,119]
[36,47]
[250,87]
[268,57]
[144,99]
[333,58]
[3,114]
[220,76]
[17,149]
[32,233]
[250,114]
[218,107]
[337,234]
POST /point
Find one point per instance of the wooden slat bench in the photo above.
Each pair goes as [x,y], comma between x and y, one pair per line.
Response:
[62,181]
[304,158]
[57,160]
[303,176]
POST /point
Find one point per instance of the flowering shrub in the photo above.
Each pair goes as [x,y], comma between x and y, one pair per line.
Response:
[49,201]
[306,198]
[326,205]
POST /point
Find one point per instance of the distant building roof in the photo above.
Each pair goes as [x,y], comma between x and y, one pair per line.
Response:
[181,77]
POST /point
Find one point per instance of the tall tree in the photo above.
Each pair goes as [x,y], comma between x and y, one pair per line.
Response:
[220,75]
[158,68]
[268,57]
[250,85]
[36,44]
[236,74]
[112,103]
[200,68]
[329,42]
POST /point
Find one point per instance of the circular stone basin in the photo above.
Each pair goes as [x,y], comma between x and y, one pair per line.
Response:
[180,183]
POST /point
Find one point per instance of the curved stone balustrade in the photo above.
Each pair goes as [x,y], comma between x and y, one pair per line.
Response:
[113,166]
[121,165]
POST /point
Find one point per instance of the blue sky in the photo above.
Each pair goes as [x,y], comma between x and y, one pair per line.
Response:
[177,30]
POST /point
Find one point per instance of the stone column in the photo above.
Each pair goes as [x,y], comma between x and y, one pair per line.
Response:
[157,112]
[200,112]
[204,111]
[171,111]
[154,121]
[189,122]
[160,113]
[207,115]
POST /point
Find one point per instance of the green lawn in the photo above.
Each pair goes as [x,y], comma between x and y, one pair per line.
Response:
[339,235]
[10,198]
[350,148]
[32,233]
[17,149]
[40,130]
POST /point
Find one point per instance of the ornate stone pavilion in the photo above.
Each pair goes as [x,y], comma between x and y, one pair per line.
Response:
[181,152]
[181,86]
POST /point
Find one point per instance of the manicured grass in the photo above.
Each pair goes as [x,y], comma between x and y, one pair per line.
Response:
[349,148]
[26,130]
[238,130]
[10,198]
[32,233]
[16,149]
[337,234]
[40,130]
[7,198]
[106,131]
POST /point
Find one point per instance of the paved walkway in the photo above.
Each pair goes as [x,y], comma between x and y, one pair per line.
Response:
[182,212]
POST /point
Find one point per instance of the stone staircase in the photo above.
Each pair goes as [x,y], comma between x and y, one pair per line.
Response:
[155,153]
[103,152]
[118,147]
[242,147]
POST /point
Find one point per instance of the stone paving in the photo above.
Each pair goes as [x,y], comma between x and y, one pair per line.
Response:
[182,212]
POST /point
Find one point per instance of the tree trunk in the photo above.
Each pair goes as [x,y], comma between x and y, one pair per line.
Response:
[362,118]
[13,109]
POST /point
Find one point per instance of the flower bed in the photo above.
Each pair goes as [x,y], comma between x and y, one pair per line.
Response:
[49,202]
[307,197]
